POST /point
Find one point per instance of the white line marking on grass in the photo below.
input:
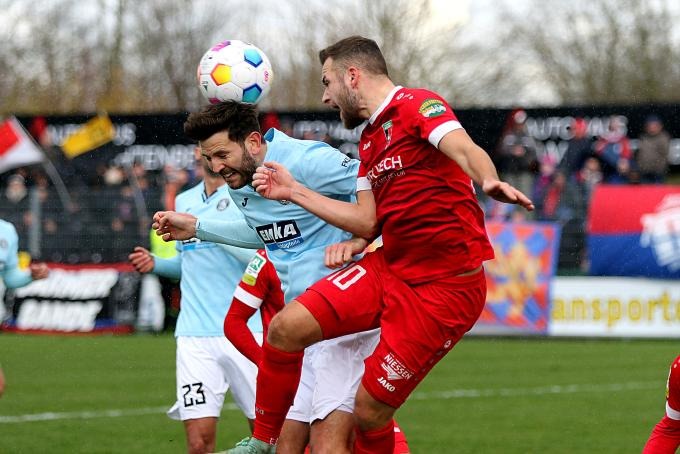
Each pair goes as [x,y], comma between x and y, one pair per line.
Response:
[435,395]
[51,416]
[539,391]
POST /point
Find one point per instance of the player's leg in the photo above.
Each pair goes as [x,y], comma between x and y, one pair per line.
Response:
[294,437]
[665,437]
[200,433]
[201,387]
[419,326]
[301,323]
[295,431]
[339,366]
[332,434]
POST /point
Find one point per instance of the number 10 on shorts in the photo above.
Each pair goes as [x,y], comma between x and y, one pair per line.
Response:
[345,277]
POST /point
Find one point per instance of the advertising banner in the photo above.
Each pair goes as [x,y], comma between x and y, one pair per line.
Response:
[76,299]
[635,231]
[518,280]
[615,307]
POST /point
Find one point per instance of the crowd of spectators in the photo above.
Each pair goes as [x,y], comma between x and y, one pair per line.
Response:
[561,186]
[109,207]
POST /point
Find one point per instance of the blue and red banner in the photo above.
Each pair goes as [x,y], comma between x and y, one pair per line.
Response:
[635,231]
[518,280]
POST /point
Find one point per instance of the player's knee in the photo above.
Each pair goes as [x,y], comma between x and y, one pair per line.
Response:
[369,413]
[197,445]
[293,329]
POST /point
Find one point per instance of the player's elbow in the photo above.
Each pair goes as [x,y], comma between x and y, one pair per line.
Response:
[368,229]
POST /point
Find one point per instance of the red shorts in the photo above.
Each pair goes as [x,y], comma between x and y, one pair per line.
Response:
[419,324]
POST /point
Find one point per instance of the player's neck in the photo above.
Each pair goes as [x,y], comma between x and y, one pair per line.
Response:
[212,184]
[375,93]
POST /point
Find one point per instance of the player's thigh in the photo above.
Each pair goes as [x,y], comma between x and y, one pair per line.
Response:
[239,372]
[418,327]
[294,437]
[201,384]
[339,366]
[332,434]
[349,300]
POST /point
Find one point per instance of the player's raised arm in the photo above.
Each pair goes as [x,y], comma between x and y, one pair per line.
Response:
[273,181]
[474,161]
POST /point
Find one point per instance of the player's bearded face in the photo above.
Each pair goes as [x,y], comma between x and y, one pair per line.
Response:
[237,177]
[348,102]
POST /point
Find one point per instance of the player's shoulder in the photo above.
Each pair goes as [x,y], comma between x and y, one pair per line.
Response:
[7,228]
[189,196]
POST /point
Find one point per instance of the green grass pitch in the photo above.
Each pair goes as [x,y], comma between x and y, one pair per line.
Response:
[101,394]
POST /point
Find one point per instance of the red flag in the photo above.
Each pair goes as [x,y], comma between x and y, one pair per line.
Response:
[16,147]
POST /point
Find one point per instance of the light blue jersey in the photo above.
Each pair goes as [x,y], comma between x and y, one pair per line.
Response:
[208,272]
[10,273]
[296,239]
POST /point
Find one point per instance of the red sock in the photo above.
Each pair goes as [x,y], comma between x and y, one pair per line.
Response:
[665,437]
[277,382]
[376,441]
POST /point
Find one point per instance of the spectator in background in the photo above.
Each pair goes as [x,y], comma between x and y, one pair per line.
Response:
[614,152]
[562,201]
[518,161]
[579,149]
[590,176]
[652,154]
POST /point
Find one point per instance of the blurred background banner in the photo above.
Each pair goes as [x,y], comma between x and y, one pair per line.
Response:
[518,280]
[615,307]
[635,231]
[16,147]
[76,299]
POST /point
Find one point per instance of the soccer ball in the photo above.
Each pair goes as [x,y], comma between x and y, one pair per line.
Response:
[234,71]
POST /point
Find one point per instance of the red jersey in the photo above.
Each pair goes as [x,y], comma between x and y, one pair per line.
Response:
[428,214]
[260,288]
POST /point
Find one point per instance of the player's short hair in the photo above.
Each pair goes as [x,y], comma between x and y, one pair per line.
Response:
[238,119]
[356,51]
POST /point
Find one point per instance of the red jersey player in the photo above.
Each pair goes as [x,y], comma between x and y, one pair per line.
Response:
[260,288]
[665,437]
[425,287]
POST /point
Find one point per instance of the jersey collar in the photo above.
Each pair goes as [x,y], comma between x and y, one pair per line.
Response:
[384,104]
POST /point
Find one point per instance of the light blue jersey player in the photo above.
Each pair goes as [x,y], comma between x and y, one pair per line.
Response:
[207,363]
[12,276]
[295,241]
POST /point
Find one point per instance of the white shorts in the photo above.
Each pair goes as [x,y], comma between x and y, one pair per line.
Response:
[331,373]
[206,368]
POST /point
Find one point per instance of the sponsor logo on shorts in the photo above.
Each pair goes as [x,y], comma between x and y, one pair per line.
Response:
[280,235]
[387,385]
[432,108]
[394,368]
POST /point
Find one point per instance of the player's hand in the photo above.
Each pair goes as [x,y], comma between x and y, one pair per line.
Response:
[171,225]
[339,254]
[273,181]
[39,271]
[142,260]
[504,192]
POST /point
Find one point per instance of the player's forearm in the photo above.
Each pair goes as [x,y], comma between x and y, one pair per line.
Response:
[474,161]
[15,278]
[233,233]
[237,332]
[170,268]
[356,218]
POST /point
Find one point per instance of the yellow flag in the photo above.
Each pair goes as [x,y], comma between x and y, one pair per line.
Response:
[91,135]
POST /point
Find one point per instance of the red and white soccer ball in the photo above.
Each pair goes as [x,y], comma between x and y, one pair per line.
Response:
[234,70]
